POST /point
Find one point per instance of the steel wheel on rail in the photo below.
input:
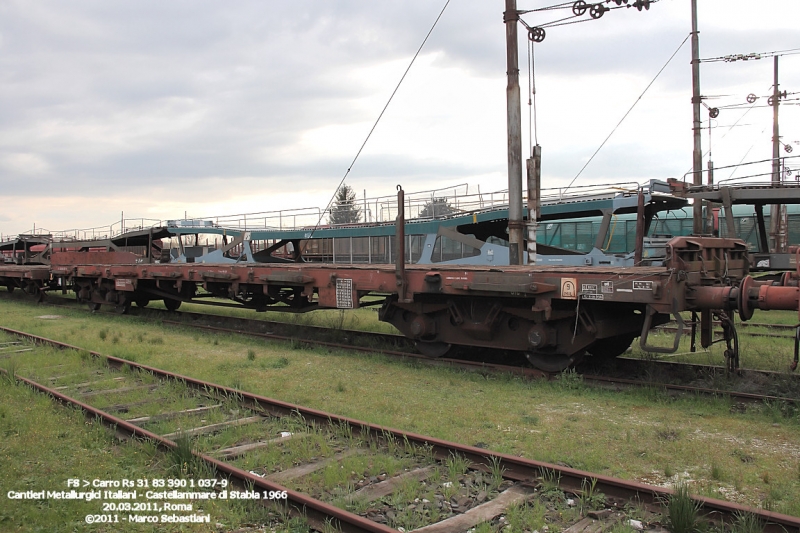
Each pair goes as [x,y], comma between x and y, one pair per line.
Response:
[171,305]
[141,301]
[552,362]
[10,287]
[610,347]
[93,306]
[34,290]
[432,349]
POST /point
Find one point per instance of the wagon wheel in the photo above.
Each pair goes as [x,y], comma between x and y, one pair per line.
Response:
[171,305]
[141,301]
[93,306]
[432,349]
[123,307]
[611,347]
[34,290]
[552,362]
[10,287]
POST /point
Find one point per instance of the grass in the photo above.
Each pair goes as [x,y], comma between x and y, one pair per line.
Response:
[747,523]
[456,467]
[35,433]
[763,353]
[590,499]
[527,516]
[682,511]
[632,434]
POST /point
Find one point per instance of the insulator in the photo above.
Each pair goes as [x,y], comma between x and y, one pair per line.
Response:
[751,98]
[579,8]
[537,34]
[788,149]
[597,11]
[713,112]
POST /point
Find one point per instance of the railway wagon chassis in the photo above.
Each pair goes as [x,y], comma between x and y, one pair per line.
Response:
[555,315]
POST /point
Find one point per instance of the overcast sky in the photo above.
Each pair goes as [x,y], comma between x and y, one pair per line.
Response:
[157,108]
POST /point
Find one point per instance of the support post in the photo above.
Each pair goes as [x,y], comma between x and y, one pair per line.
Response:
[602,232]
[639,248]
[400,257]
[697,152]
[706,328]
[763,242]
[775,210]
[727,204]
[534,189]
[710,205]
[514,124]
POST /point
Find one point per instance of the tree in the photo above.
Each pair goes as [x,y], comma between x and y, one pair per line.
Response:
[345,210]
[436,208]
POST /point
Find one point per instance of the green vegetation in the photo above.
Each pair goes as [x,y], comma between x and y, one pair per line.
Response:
[43,445]
[774,352]
[749,454]
[682,511]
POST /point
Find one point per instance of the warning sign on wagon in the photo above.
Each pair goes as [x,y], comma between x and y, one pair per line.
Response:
[344,293]
[569,288]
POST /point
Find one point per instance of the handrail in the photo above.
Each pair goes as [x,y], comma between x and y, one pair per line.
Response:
[456,198]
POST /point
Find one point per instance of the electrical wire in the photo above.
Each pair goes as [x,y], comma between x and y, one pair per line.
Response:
[629,111]
[737,166]
[532,120]
[751,56]
[375,125]
[572,5]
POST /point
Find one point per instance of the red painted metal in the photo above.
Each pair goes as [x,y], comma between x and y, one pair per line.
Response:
[34,272]
[557,313]
[92,257]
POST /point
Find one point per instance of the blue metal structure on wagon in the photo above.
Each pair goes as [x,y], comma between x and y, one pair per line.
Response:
[470,230]
[580,227]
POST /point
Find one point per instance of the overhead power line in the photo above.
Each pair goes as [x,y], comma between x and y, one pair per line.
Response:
[753,56]
[629,110]
[380,116]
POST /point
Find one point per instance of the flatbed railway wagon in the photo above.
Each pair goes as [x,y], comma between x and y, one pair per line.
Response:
[555,315]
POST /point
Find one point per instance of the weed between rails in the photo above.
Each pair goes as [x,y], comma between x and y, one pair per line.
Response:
[590,499]
[182,459]
[10,374]
[747,523]
[683,511]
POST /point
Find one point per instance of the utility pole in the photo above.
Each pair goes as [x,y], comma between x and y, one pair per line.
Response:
[775,210]
[514,124]
[697,153]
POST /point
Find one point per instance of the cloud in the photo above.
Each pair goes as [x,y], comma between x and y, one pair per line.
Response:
[151,105]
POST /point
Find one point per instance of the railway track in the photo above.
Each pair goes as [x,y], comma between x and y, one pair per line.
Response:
[675,378]
[465,485]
